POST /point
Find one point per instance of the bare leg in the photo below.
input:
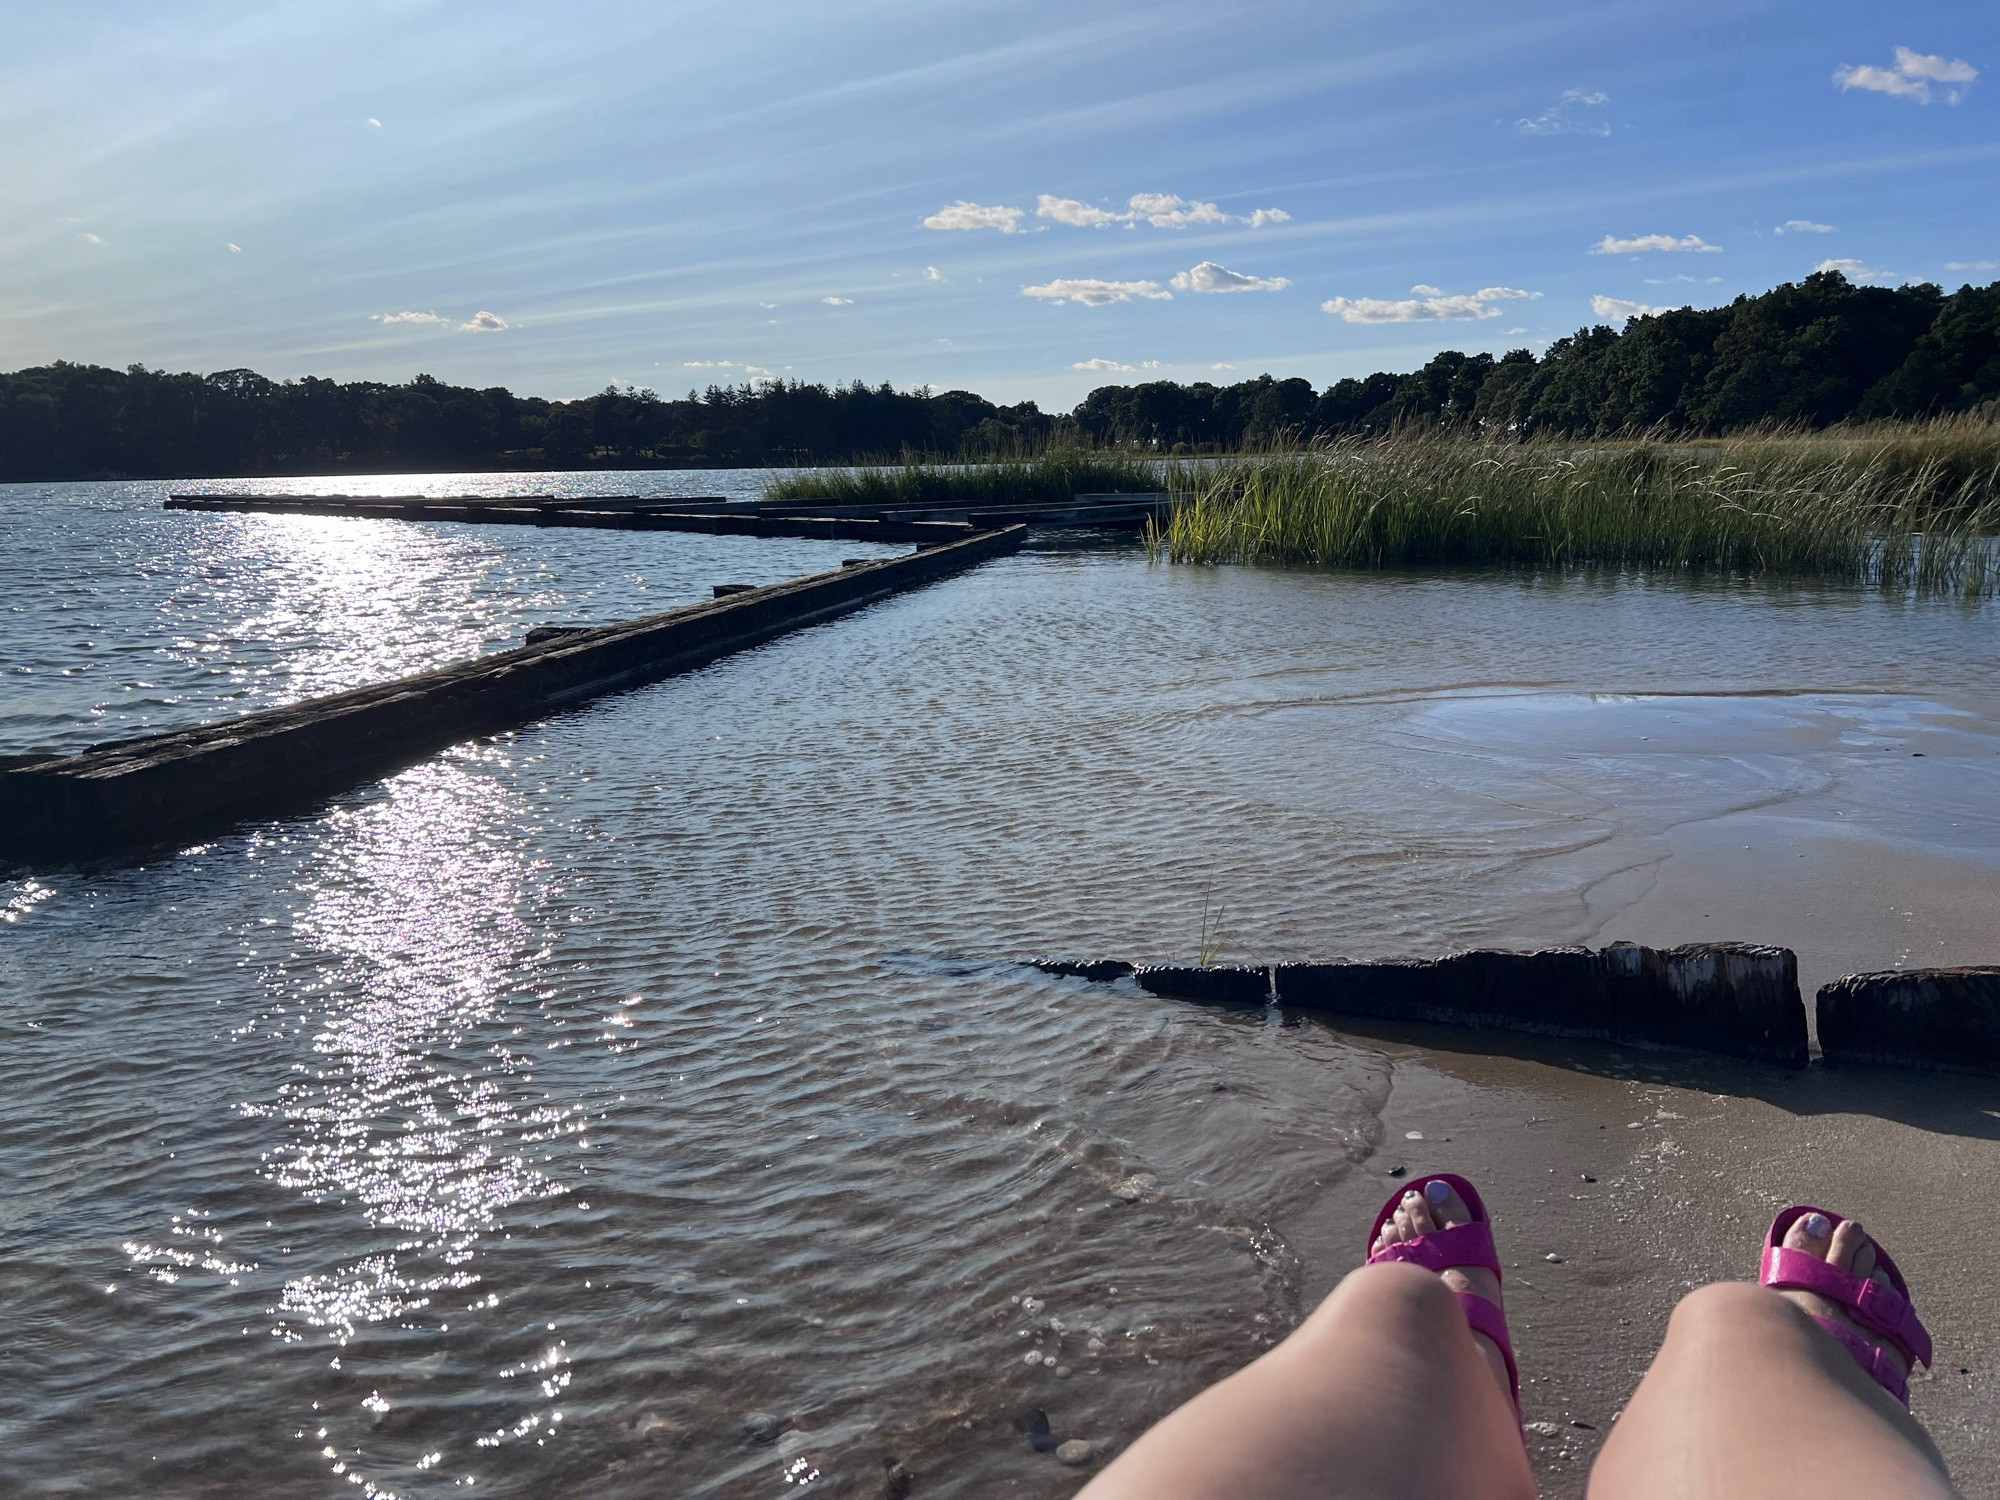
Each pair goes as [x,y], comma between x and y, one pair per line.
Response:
[1749,1397]
[1383,1391]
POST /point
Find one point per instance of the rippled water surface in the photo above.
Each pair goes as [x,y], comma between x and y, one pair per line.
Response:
[643,1102]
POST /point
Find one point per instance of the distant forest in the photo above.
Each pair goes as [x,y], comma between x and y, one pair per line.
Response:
[1811,354]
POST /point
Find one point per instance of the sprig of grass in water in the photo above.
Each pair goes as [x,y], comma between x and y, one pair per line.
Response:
[1052,476]
[1210,947]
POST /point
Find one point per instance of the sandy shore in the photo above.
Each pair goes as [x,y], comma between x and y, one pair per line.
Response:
[1691,1157]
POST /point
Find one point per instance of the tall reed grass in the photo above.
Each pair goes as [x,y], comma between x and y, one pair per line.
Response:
[1912,508]
[1052,476]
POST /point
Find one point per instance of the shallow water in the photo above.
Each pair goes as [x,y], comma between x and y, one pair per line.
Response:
[577,1107]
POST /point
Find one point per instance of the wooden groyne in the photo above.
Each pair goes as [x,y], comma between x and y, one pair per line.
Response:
[1737,998]
[826,519]
[157,789]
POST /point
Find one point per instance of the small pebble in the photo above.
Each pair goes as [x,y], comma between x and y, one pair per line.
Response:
[1062,1372]
[1397,1171]
[1076,1452]
[1413,1135]
[1587,1177]
[1543,1429]
[761,1427]
[1553,1259]
[1586,1426]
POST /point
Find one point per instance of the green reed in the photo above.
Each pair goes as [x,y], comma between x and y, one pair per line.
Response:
[1912,508]
[1051,476]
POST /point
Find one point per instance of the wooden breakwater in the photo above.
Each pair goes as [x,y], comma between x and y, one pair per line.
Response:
[1736,998]
[156,789]
[826,519]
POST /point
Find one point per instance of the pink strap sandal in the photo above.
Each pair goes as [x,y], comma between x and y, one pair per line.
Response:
[1871,1304]
[1465,1245]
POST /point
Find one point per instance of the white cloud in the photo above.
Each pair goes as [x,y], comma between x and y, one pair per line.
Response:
[1091,292]
[1802,226]
[767,305]
[1430,305]
[1161,210]
[932,273]
[1074,211]
[1152,364]
[91,239]
[725,364]
[1856,270]
[1567,116]
[968,215]
[1222,367]
[1165,211]
[1612,245]
[1682,280]
[374,123]
[1099,364]
[1621,309]
[838,301]
[483,322]
[1209,277]
[1972,265]
[234,248]
[408,317]
[1911,77]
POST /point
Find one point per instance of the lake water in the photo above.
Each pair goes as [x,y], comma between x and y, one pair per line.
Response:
[645,1101]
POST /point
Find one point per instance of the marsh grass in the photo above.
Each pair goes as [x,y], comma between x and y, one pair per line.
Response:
[1052,476]
[1909,507]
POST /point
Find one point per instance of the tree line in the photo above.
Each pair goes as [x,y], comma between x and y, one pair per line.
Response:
[1812,353]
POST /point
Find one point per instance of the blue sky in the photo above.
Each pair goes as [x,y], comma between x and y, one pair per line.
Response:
[670,194]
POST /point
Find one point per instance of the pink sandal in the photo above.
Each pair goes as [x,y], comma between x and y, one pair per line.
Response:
[1463,1245]
[1871,1304]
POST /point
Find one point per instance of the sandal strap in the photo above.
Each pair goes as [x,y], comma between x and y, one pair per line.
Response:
[1481,1316]
[1880,1309]
[1445,1249]
[1879,1367]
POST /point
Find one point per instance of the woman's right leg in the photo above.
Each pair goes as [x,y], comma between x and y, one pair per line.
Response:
[1748,1397]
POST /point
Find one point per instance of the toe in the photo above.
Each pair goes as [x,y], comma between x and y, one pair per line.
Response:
[1810,1233]
[1850,1243]
[1447,1208]
[1418,1208]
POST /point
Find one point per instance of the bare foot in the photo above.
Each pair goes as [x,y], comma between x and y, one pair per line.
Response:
[1847,1246]
[1440,1207]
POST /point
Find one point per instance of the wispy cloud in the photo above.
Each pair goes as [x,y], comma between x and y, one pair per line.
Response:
[838,301]
[1209,277]
[373,123]
[408,317]
[723,364]
[1621,309]
[1088,291]
[1100,364]
[1912,77]
[1802,226]
[968,215]
[1570,115]
[1430,305]
[1612,245]
[932,273]
[1972,265]
[91,239]
[1857,270]
[234,248]
[483,322]
[1682,280]
[1161,210]
[1222,367]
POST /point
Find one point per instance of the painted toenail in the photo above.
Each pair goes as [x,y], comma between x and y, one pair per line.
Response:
[1437,1192]
[1410,1196]
[1817,1226]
